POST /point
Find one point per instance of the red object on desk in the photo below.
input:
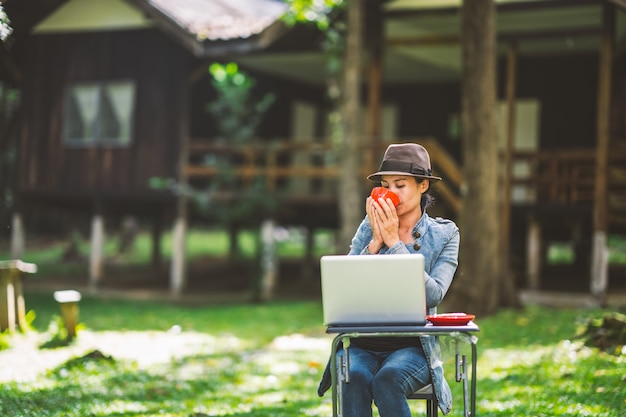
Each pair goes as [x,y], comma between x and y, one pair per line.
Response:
[450,319]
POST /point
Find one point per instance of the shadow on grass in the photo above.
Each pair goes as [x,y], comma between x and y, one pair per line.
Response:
[565,380]
[527,366]
[253,384]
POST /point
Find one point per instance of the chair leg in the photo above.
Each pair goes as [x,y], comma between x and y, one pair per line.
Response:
[431,408]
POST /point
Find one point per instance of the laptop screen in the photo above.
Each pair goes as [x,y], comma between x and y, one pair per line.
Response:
[373,289]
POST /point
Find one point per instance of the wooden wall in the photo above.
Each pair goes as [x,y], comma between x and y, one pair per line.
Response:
[618,106]
[565,85]
[54,171]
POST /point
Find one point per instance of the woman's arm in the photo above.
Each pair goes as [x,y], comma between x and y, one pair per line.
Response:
[440,276]
[361,238]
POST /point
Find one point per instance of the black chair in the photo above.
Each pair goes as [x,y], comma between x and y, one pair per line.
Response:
[428,394]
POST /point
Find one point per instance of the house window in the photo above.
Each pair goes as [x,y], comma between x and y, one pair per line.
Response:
[99,113]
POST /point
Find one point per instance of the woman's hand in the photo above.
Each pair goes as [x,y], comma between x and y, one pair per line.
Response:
[384,221]
[377,240]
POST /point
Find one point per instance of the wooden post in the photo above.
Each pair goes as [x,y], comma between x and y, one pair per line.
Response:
[375,44]
[302,133]
[508,291]
[7,301]
[68,299]
[268,261]
[156,241]
[17,237]
[97,250]
[511,80]
[310,245]
[533,254]
[599,260]
[374,38]
[20,304]
[178,273]
[12,305]
[233,243]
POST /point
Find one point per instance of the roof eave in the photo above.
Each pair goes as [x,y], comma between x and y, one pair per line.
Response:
[212,48]
[203,48]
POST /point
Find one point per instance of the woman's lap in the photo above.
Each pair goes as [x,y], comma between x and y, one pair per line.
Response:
[385,377]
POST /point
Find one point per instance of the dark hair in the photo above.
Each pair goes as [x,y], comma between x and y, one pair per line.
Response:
[427,199]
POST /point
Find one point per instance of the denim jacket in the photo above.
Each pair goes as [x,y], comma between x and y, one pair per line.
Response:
[438,240]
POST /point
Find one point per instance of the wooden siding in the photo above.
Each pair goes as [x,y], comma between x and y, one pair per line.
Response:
[160,70]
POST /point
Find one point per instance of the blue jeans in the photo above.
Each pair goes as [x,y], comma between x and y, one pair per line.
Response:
[384,377]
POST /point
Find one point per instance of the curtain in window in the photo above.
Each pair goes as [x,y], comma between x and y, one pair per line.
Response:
[120,97]
[100,113]
[81,113]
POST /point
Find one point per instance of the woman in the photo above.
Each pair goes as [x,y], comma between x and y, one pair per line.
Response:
[386,370]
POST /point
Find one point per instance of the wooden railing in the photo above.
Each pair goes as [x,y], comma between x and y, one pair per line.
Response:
[289,169]
[567,176]
[270,161]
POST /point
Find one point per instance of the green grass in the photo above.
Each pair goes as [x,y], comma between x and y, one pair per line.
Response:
[534,366]
[110,314]
[617,249]
[228,362]
[563,252]
[215,243]
[199,243]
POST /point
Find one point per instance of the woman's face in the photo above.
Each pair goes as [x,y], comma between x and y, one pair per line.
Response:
[408,189]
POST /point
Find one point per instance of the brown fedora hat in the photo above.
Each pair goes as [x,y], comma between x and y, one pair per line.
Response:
[405,159]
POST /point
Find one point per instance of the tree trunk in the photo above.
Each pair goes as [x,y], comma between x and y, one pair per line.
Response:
[476,287]
[351,204]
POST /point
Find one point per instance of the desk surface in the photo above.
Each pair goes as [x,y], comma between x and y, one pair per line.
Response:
[427,328]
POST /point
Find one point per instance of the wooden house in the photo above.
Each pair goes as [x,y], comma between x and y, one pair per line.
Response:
[562,82]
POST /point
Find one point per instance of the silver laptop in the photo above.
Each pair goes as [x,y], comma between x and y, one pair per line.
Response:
[373,289]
